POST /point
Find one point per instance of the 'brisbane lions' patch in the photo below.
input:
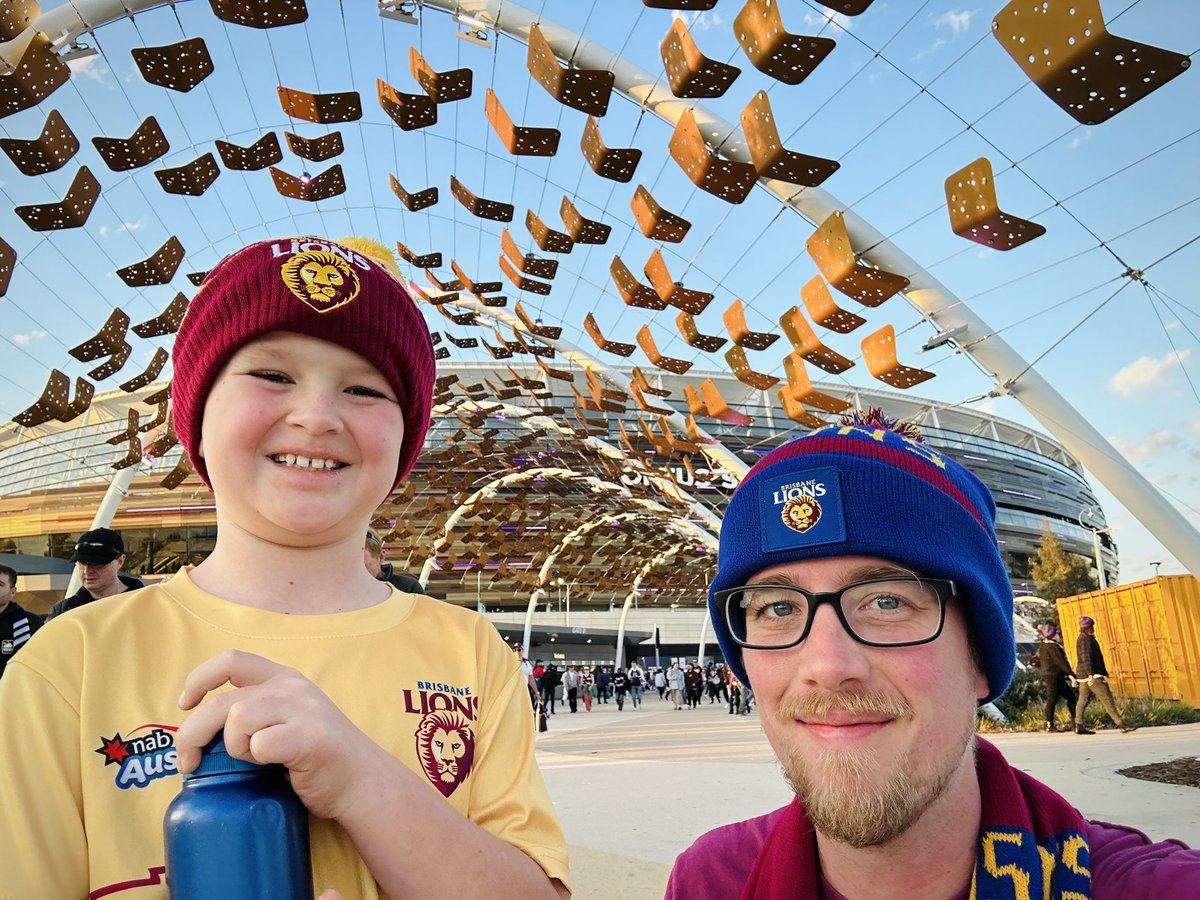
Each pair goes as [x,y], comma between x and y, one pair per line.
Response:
[321,279]
[446,749]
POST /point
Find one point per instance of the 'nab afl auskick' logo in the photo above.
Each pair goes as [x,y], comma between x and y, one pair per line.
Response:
[143,758]
[801,509]
[321,275]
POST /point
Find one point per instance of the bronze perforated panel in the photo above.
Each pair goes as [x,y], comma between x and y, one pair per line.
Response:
[646,341]
[771,158]
[197,278]
[16,16]
[193,179]
[976,215]
[594,332]
[8,262]
[179,474]
[442,87]
[731,181]
[736,357]
[795,410]
[427,261]
[149,374]
[71,212]
[632,291]
[809,346]
[587,90]
[260,13]
[324,109]
[819,303]
[328,184]
[1066,50]
[527,263]
[262,153]
[141,148]
[415,201]
[129,436]
[546,237]
[654,221]
[847,7]
[829,246]
[772,49]
[709,343]
[48,152]
[158,268]
[801,387]
[520,282]
[38,75]
[478,206]
[689,72]
[409,111]
[581,229]
[739,331]
[475,287]
[879,350]
[179,67]
[468,343]
[316,149]
[454,284]
[689,5]
[56,402]
[108,341]
[607,162]
[166,322]
[550,332]
[519,140]
[671,291]
[718,407]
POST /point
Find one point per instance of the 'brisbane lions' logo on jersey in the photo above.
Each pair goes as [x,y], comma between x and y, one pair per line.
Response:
[321,279]
[446,748]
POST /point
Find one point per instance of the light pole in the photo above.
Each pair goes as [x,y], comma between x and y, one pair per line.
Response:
[1156,565]
[1087,514]
[560,583]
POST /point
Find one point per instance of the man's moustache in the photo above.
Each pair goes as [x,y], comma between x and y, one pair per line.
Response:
[814,704]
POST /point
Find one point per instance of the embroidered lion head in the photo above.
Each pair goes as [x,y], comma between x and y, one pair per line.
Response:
[446,748]
[321,279]
[801,514]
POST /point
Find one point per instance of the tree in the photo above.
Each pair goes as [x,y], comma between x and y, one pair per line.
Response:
[1057,573]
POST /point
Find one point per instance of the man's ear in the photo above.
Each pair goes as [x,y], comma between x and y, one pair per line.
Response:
[121,561]
[981,685]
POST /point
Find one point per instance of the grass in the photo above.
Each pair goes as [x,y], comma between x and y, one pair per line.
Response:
[1024,701]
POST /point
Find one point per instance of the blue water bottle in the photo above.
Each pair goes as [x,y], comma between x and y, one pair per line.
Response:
[237,831]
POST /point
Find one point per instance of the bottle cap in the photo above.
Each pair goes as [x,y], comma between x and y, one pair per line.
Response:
[215,760]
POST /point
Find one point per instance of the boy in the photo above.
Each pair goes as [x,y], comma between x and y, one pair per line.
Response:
[302,393]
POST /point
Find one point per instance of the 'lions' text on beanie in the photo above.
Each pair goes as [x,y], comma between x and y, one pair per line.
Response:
[882,492]
[311,286]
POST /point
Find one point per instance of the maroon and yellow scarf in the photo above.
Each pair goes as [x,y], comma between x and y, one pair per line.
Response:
[1031,844]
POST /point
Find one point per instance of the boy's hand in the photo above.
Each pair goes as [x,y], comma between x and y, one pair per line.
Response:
[275,715]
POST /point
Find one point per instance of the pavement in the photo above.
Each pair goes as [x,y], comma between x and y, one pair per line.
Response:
[634,789]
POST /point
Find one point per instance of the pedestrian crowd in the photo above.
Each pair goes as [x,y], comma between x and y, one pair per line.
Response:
[685,687]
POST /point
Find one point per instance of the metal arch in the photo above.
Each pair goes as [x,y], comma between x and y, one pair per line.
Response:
[633,589]
[935,301]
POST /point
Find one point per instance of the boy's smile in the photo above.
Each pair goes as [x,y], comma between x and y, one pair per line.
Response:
[291,420]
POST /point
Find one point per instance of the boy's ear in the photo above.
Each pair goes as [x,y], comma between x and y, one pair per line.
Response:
[200,449]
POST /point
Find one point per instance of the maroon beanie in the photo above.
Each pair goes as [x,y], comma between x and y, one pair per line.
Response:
[314,287]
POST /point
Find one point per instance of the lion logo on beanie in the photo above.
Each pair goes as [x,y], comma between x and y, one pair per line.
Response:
[321,279]
[801,513]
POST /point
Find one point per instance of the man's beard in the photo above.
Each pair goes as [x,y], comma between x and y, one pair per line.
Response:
[838,787]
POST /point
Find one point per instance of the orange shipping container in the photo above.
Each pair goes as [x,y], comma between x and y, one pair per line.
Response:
[1149,632]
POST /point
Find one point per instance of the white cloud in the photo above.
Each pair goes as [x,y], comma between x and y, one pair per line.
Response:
[702,22]
[818,20]
[1146,372]
[24,340]
[104,231]
[930,50]
[957,20]
[1080,138]
[1195,424]
[1146,448]
[89,67]
[1171,326]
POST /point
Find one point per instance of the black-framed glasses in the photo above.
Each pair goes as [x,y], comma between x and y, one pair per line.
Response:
[898,611]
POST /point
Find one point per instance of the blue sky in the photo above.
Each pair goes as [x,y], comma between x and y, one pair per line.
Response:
[912,92]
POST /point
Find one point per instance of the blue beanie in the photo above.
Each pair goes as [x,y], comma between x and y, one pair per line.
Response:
[878,491]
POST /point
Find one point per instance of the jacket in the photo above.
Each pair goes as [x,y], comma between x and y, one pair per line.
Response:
[83,596]
[400,581]
[1053,661]
[1089,658]
[17,626]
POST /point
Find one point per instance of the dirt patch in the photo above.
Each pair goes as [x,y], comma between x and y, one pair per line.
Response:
[1185,770]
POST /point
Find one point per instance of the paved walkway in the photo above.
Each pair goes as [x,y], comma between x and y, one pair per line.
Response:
[634,789]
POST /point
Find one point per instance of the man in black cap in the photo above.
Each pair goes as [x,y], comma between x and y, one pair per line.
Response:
[373,558]
[99,554]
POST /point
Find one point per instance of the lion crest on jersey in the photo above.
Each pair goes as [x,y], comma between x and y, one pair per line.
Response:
[801,513]
[321,279]
[446,748]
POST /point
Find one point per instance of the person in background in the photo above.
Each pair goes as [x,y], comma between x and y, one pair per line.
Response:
[637,683]
[693,685]
[1092,675]
[570,682]
[16,625]
[860,590]
[620,686]
[660,682]
[1056,674]
[676,684]
[587,687]
[99,555]
[602,680]
[551,679]
[373,554]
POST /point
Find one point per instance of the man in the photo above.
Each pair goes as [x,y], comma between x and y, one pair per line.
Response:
[637,680]
[1093,678]
[373,559]
[620,686]
[551,678]
[99,554]
[675,685]
[16,625]
[1056,673]
[570,683]
[861,592]
[527,671]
